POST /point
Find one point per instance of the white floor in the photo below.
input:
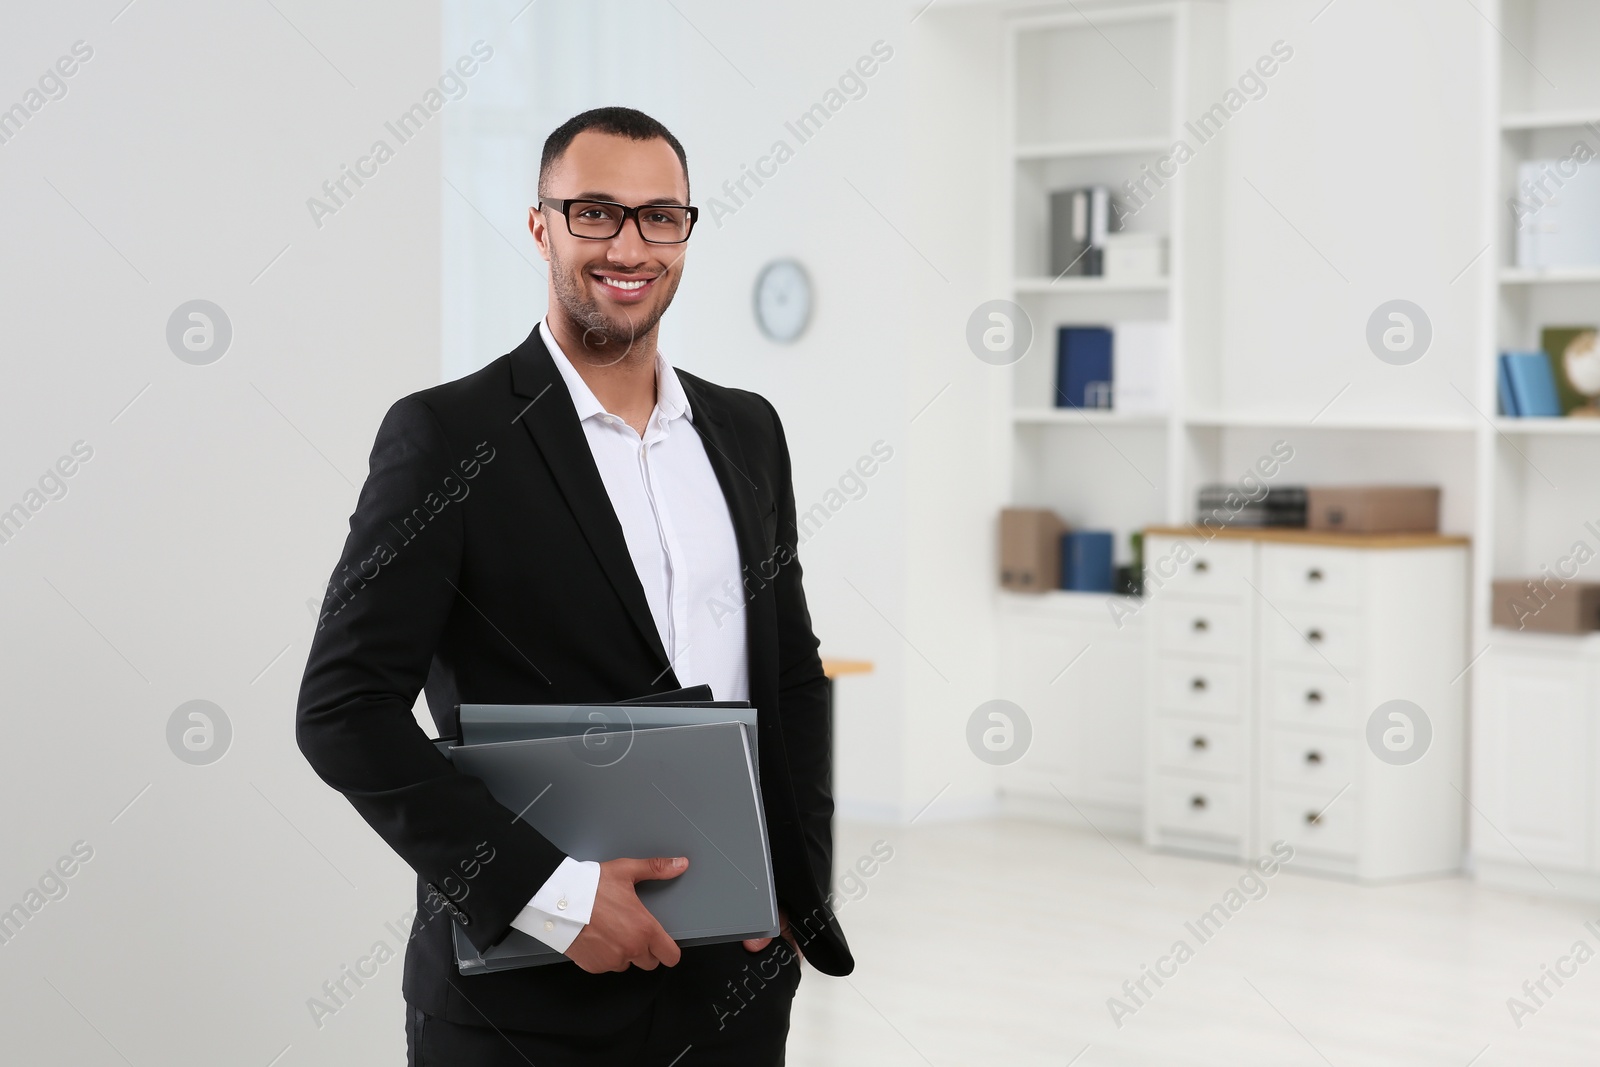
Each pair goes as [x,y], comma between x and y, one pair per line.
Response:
[1000,942]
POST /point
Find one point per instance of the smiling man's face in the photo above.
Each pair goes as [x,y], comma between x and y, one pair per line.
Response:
[614,291]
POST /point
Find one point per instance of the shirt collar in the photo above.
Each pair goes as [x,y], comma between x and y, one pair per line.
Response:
[671,400]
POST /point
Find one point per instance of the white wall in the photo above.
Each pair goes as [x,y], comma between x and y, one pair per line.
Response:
[179,563]
[1354,181]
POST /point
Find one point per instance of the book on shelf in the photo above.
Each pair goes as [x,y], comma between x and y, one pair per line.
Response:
[1508,399]
[1530,386]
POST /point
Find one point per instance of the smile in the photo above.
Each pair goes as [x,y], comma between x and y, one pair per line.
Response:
[624,288]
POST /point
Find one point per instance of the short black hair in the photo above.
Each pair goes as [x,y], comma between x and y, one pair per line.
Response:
[619,121]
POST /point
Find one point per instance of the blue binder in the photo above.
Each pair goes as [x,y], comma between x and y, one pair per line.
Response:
[1086,563]
[1083,367]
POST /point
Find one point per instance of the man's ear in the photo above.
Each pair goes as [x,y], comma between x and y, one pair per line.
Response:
[541,232]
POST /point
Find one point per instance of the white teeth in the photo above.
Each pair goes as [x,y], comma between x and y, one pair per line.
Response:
[620,284]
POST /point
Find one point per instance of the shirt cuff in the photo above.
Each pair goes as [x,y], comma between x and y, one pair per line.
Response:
[562,906]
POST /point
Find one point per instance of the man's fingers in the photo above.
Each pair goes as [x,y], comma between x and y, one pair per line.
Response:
[664,948]
[756,944]
[657,868]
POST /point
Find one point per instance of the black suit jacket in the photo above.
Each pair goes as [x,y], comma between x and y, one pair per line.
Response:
[485,562]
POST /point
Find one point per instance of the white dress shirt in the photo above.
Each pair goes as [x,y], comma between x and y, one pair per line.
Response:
[679,532]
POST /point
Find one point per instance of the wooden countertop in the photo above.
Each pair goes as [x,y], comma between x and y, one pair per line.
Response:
[1292,535]
[833,668]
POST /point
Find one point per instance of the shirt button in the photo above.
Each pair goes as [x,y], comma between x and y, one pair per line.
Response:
[561,905]
[548,925]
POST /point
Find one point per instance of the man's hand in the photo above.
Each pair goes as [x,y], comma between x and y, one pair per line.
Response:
[621,931]
[756,944]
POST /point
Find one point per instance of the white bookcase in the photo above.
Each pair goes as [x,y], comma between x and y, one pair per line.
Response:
[1536,697]
[1080,113]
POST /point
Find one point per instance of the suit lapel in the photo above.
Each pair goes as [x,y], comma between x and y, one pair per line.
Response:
[549,416]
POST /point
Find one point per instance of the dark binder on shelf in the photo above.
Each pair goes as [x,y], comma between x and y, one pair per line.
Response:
[1079,222]
[1083,367]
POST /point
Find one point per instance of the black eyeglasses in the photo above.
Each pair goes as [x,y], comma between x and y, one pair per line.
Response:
[601,220]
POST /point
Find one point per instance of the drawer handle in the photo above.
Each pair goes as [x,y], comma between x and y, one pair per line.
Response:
[1197,802]
[1313,818]
[1198,685]
[1313,757]
[1314,575]
[1314,636]
[1313,696]
[1201,566]
[1200,626]
[1199,743]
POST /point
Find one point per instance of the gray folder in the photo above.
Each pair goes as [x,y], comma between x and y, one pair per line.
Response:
[677,791]
[608,728]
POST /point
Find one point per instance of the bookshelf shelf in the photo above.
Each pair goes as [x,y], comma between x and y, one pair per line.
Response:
[1269,420]
[1548,120]
[1073,286]
[1128,146]
[1085,417]
[1549,276]
[1563,427]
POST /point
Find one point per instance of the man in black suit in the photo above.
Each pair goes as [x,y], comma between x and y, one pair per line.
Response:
[579,522]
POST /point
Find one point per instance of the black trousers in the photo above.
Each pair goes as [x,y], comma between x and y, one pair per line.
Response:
[720,1006]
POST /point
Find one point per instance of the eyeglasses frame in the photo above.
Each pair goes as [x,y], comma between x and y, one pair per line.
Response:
[564,206]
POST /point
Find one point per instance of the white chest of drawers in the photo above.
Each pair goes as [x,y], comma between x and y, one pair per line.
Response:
[1269,652]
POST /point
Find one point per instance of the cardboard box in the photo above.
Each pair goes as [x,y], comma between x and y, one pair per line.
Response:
[1547,605]
[1030,549]
[1373,508]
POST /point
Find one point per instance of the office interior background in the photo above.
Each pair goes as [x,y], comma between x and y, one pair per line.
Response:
[1320,287]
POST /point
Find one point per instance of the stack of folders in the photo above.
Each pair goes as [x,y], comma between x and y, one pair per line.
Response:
[1281,505]
[673,774]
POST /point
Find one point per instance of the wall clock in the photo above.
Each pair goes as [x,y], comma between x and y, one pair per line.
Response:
[783,300]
